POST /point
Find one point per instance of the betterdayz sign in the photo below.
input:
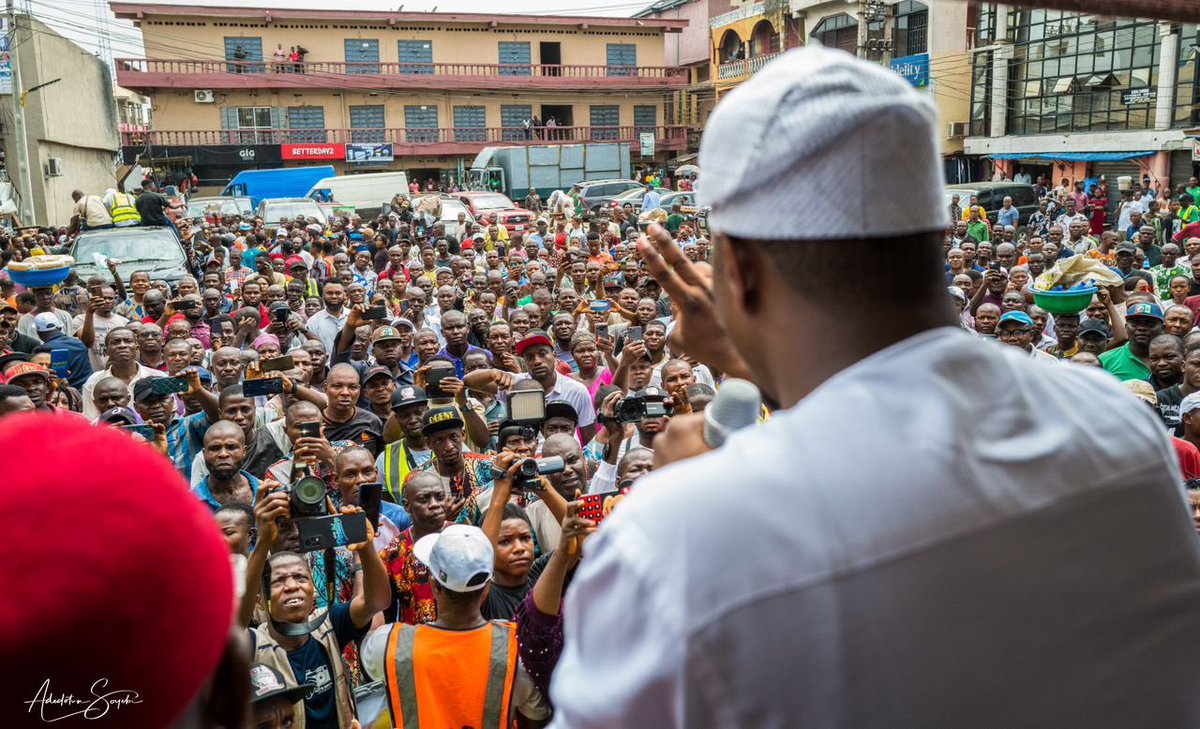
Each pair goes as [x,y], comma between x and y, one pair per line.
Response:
[313,151]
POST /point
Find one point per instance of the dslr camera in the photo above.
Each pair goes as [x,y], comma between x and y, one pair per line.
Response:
[529,470]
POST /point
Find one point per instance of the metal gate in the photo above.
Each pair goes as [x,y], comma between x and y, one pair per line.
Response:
[362,55]
[515,58]
[416,56]
[512,119]
[622,59]
[1182,167]
[306,125]
[604,121]
[251,50]
[470,124]
[421,124]
[367,123]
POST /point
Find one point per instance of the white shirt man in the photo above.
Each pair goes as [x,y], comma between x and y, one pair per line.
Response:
[101,325]
[823,542]
[90,411]
[326,326]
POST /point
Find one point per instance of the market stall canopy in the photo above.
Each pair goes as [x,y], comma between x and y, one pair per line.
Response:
[1073,156]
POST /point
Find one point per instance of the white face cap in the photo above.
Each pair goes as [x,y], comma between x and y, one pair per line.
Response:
[816,125]
[460,557]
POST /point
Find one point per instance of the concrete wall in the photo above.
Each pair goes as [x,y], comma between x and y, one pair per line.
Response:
[177,110]
[72,119]
[184,37]
[692,45]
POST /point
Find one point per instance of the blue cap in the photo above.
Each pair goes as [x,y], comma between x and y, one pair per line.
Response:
[1145,308]
[1018,316]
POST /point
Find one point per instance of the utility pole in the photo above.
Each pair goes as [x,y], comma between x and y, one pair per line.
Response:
[24,179]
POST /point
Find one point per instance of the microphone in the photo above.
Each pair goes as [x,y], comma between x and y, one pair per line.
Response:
[736,406]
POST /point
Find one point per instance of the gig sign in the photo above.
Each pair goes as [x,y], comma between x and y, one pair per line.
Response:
[313,151]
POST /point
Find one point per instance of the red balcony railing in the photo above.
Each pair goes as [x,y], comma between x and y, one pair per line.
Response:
[220,74]
[443,140]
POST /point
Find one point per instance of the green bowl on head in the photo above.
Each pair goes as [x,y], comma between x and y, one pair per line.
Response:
[1070,301]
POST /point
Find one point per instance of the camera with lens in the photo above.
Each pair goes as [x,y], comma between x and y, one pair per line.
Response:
[529,471]
[638,407]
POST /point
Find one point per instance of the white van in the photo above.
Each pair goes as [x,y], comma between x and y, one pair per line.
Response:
[365,192]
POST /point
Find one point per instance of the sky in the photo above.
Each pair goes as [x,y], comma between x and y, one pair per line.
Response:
[83,20]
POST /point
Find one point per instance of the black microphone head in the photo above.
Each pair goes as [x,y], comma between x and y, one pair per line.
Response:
[737,405]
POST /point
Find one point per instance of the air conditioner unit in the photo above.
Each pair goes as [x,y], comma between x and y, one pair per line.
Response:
[53,167]
[204,96]
[957,130]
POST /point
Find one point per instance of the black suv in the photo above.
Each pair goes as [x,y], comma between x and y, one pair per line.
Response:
[991,197]
[597,193]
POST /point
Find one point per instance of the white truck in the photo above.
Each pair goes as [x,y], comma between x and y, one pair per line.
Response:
[362,192]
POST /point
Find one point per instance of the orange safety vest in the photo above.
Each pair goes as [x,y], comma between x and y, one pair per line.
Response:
[447,678]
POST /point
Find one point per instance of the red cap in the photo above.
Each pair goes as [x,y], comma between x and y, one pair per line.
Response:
[534,337]
[276,256]
[468,243]
[122,574]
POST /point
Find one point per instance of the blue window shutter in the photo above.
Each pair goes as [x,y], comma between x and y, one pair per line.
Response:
[516,57]
[416,56]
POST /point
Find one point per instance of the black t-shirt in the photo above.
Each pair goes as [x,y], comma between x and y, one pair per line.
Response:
[150,205]
[364,429]
[23,343]
[310,664]
[1168,409]
[261,455]
[502,602]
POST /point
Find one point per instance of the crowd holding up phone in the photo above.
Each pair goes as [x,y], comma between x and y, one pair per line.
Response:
[363,408]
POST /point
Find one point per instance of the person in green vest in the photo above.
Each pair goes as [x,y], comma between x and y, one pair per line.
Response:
[577,198]
[1188,210]
[411,451]
[977,226]
[1130,361]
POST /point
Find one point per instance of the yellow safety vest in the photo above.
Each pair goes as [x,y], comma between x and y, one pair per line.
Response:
[396,468]
[123,210]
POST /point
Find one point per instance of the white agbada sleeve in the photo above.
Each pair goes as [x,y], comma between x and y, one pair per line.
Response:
[619,673]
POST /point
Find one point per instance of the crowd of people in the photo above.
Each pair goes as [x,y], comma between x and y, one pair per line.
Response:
[406,439]
[363,353]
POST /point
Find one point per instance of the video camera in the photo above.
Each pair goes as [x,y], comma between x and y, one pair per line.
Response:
[529,471]
[641,405]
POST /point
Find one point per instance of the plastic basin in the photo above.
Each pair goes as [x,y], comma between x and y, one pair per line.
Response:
[1071,301]
[39,278]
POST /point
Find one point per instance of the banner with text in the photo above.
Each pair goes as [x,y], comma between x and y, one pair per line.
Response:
[313,151]
[360,152]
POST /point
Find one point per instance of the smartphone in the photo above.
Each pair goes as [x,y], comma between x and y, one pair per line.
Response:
[602,330]
[326,532]
[58,362]
[146,431]
[309,430]
[169,385]
[186,305]
[599,305]
[370,495]
[281,314]
[994,265]
[278,364]
[598,506]
[633,334]
[265,386]
[433,382]
[375,313]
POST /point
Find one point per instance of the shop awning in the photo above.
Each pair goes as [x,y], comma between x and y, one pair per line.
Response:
[1074,156]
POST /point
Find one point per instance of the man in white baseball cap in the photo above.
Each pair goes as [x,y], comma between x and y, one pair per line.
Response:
[971,538]
[460,670]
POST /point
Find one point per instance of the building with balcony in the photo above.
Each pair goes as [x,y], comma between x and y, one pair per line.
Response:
[690,50]
[1080,96]
[924,42]
[371,90]
[746,37]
